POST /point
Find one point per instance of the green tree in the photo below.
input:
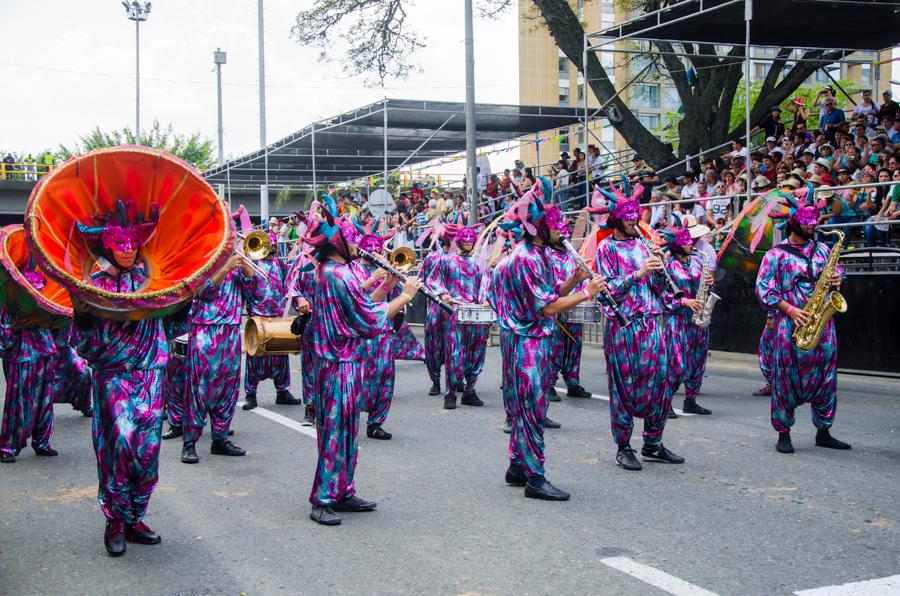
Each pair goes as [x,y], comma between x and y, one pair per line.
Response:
[195,149]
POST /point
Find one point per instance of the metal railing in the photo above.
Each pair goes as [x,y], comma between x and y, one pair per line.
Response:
[24,171]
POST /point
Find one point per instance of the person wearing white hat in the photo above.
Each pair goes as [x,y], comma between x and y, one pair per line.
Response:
[697,349]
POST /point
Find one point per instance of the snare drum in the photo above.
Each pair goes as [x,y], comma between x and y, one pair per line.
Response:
[475,314]
[179,347]
[586,312]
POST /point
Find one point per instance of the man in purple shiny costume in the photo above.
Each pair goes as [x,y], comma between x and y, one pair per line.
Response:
[785,282]
[71,376]
[567,337]
[636,354]
[303,283]
[344,316]
[766,355]
[526,298]
[175,384]
[266,299]
[435,317]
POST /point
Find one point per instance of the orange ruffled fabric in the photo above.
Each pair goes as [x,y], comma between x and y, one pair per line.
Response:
[48,307]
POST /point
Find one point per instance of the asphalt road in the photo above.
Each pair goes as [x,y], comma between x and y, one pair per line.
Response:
[737,518]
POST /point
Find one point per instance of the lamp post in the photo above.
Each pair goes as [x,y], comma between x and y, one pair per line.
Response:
[137,12]
[220,58]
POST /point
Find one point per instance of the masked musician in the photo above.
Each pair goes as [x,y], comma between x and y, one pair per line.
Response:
[567,336]
[302,283]
[526,298]
[128,360]
[175,384]
[214,354]
[636,355]
[266,299]
[766,355]
[28,360]
[344,316]
[686,347]
[460,278]
[436,320]
[784,284]
[71,376]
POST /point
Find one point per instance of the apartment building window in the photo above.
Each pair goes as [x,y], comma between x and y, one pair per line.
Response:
[563,68]
[759,70]
[834,71]
[865,74]
[564,95]
[650,121]
[671,101]
[645,96]
[564,142]
[580,91]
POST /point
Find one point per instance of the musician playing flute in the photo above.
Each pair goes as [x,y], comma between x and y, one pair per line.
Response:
[344,315]
[784,284]
[266,298]
[435,318]
[460,278]
[526,298]
[637,361]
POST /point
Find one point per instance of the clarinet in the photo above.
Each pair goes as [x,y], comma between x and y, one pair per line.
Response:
[382,264]
[603,296]
[676,292]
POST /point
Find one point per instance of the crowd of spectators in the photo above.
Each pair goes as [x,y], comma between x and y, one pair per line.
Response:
[25,166]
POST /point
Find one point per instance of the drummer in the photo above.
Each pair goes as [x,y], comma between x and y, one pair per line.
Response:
[461,279]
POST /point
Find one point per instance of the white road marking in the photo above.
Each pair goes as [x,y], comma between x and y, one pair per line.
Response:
[655,577]
[309,431]
[885,586]
[606,398]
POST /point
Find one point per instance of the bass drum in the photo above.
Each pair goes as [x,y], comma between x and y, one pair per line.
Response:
[586,312]
[270,336]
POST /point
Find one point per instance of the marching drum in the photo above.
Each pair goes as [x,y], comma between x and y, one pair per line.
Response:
[179,347]
[269,337]
[475,314]
[586,312]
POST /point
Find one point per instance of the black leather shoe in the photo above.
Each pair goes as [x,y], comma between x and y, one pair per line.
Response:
[692,407]
[249,402]
[173,433]
[507,426]
[141,533]
[552,395]
[309,418]
[374,431]
[471,399]
[226,447]
[87,413]
[784,444]
[450,401]
[661,454]
[7,458]
[114,538]
[672,415]
[189,454]
[547,423]
[576,391]
[42,452]
[435,389]
[325,516]
[824,439]
[540,488]
[515,476]
[765,391]
[354,504]
[230,433]
[285,398]
[626,458]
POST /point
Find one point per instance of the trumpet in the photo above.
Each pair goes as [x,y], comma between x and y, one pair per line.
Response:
[379,262]
[603,296]
[403,258]
[677,293]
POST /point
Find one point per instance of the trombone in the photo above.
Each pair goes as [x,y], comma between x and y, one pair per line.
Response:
[257,246]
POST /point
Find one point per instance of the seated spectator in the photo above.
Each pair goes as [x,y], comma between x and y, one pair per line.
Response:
[889,107]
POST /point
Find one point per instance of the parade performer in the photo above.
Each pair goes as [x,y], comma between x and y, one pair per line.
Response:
[303,285]
[343,316]
[785,282]
[766,355]
[435,318]
[71,376]
[28,354]
[567,337]
[687,343]
[175,384]
[461,279]
[266,298]
[526,298]
[636,354]
[214,355]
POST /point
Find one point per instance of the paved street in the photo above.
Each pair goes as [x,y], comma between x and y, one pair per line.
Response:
[737,518]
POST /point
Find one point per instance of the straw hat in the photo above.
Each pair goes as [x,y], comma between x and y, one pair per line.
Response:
[824,192]
[696,230]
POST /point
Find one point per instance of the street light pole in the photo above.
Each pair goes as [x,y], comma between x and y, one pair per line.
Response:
[264,189]
[472,185]
[138,13]
[220,58]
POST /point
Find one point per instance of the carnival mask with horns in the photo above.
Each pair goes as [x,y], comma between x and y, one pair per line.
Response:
[624,202]
[117,232]
[330,228]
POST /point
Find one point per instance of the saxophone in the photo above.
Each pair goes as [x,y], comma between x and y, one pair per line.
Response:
[823,303]
[707,299]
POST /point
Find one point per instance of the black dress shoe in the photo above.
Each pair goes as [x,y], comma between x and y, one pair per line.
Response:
[692,407]
[230,433]
[450,401]
[672,415]
[309,418]
[626,458]
[141,533]
[249,402]
[173,433]
[45,452]
[374,431]
[507,426]
[765,391]
[661,454]
[576,391]
[354,504]
[220,447]
[87,413]
[515,476]
[471,399]
[285,398]
[547,423]
[325,516]
[552,395]
[114,538]
[7,458]
[784,444]
[824,439]
[539,487]
[435,389]
[189,454]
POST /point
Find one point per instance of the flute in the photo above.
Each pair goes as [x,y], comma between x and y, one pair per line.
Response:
[605,297]
[676,292]
[381,263]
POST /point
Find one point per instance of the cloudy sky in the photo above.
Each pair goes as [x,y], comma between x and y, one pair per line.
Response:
[68,66]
